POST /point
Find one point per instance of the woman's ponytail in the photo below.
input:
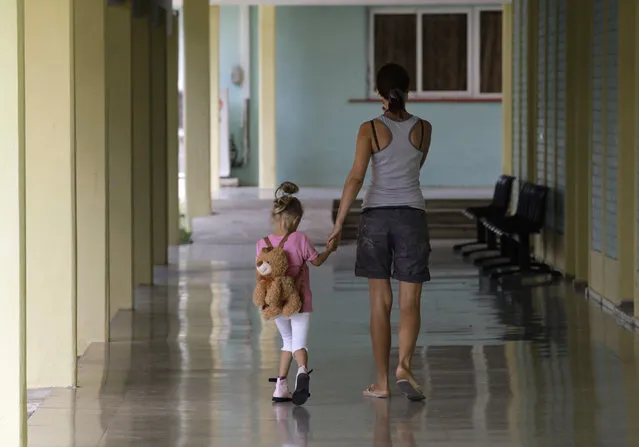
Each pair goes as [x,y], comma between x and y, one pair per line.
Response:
[396,100]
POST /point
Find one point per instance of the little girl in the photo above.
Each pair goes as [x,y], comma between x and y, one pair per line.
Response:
[287,214]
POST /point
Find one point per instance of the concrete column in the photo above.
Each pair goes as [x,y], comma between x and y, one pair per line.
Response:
[159,185]
[50,193]
[636,219]
[531,17]
[197,125]
[13,431]
[172,140]
[507,89]
[267,106]
[118,79]
[578,122]
[90,170]
[627,143]
[214,60]
[142,194]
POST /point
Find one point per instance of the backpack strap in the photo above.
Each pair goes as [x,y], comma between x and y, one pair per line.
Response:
[283,241]
[267,241]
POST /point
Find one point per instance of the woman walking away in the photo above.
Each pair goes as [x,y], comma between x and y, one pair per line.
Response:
[393,240]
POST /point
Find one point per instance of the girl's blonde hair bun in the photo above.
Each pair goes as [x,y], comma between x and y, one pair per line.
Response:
[284,198]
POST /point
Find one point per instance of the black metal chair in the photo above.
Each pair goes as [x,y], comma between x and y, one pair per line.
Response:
[498,207]
[515,232]
[507,254]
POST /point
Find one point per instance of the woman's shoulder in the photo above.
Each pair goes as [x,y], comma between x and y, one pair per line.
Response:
[426,123]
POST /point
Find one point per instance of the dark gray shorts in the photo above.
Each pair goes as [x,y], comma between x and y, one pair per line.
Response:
[393,243]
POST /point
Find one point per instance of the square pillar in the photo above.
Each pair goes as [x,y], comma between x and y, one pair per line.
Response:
[578,128]
[507,89]
[13,411]
[214,72]
[50,193]
[90,170]
[197,124]
[172,139]
[159,186]
[118,79]
[142,190]
[626,156]
[267,119]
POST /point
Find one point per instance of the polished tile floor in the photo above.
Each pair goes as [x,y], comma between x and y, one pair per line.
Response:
[189,368]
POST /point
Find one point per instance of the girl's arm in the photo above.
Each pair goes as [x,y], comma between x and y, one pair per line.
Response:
[321,258]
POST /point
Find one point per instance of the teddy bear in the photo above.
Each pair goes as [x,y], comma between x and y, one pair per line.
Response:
[275,292]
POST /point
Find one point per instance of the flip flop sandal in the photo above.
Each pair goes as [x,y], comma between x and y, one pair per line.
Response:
[370,392]
[411,389]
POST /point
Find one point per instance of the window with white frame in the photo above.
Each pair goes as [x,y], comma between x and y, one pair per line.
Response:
[448,52]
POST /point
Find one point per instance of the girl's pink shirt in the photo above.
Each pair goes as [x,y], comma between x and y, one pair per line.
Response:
[299,251]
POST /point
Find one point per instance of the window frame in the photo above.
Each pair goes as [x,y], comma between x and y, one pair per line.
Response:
[473,14]
[477,10]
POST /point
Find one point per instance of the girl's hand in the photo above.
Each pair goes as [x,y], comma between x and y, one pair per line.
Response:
[334,239]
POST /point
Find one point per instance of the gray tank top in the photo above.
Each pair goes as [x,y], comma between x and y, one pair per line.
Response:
[395,169]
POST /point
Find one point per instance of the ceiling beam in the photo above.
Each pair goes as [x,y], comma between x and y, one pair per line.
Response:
[178,3]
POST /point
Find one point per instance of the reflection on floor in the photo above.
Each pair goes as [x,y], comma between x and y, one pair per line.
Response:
[535,367]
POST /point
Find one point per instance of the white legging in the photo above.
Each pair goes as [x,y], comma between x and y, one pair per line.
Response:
[294,331]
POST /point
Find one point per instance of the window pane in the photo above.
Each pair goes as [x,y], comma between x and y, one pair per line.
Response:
[445,52]
[396,41]
[490,52]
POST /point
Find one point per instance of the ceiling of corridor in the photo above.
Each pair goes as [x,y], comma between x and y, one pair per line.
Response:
[178,3]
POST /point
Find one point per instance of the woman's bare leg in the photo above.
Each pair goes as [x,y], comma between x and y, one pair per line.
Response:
[381,297]
[409,325]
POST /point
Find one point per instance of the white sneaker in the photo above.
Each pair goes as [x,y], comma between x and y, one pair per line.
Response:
[281,392]
[302,386]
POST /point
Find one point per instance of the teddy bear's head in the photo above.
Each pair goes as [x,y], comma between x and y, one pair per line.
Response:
[272,262]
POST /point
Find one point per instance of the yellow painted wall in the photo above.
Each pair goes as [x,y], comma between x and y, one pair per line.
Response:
[214,85]
[578,121]
[118,78]
[636,184]
[13,427]
[571,251]
[90,170]
[50,193]
[267,104]
[627,161]
[612,272]
[142,195]
[197,132]
[507,89]
[172,124]
[159,154]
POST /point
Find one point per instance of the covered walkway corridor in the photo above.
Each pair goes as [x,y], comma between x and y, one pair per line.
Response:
[538,367]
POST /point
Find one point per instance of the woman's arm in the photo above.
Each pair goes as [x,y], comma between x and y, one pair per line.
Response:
[428,133]
[355,179]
